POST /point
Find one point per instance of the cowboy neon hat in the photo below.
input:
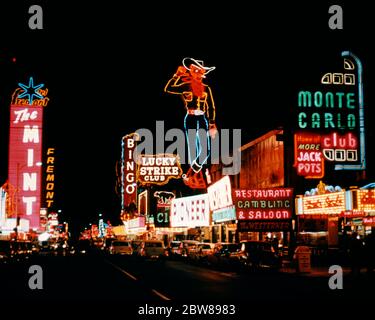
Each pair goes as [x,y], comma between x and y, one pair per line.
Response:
[186,62]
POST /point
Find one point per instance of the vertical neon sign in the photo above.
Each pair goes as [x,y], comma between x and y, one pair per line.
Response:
[25,150]
[128,172]
[362,150]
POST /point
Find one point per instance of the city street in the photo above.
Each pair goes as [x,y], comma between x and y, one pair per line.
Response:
[174,160]
[120,278]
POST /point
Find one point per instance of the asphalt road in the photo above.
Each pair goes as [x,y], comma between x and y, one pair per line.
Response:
[122,281]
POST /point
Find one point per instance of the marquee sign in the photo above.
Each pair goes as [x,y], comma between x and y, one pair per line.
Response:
[136,223]
[158,169]
[190,211]
[225,214]
[25,150]
[265,225]
[365,199]
[329,203]
[369,221]
[332,119]
[263,204]
[220,194]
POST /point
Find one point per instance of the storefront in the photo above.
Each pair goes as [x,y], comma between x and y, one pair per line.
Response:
[318,216]
[360,215]
[192,213]
[264,214]
[328,219]
[224,226]
[136,228]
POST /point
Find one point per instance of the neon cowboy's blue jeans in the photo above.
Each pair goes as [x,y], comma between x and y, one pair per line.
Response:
[198,140]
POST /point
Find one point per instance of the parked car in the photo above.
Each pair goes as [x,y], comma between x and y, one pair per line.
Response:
[186,246]
[136,244]
[259,255]
[174,249]
[5,251]
[11,250]
[61,248]
[121,247]
[83,247]
[224,254]
[152,249]
[201,251]
[108,244]
[45,248]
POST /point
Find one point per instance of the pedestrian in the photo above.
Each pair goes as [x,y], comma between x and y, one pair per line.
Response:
[355,253]
[275,244]
[370,251]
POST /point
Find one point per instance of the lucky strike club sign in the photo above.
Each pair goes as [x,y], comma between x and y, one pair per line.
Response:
[158,169]
[263,204]
[330,122]
[25,151]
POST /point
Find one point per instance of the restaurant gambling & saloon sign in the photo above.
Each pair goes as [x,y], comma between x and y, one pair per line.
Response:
[263,204]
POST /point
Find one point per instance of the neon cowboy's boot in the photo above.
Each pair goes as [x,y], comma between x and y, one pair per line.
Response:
[196,167]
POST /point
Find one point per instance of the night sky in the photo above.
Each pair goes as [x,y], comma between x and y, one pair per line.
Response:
[106,65]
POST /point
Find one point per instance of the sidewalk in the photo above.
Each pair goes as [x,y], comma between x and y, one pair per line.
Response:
[316,271]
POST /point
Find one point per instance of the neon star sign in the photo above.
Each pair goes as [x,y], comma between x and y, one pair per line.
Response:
[30,91]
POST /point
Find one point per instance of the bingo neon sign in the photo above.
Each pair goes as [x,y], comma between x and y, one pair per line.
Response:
[128,171]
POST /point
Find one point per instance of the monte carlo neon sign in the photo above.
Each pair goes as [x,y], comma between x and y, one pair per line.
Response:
[25,150]
[333,118]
